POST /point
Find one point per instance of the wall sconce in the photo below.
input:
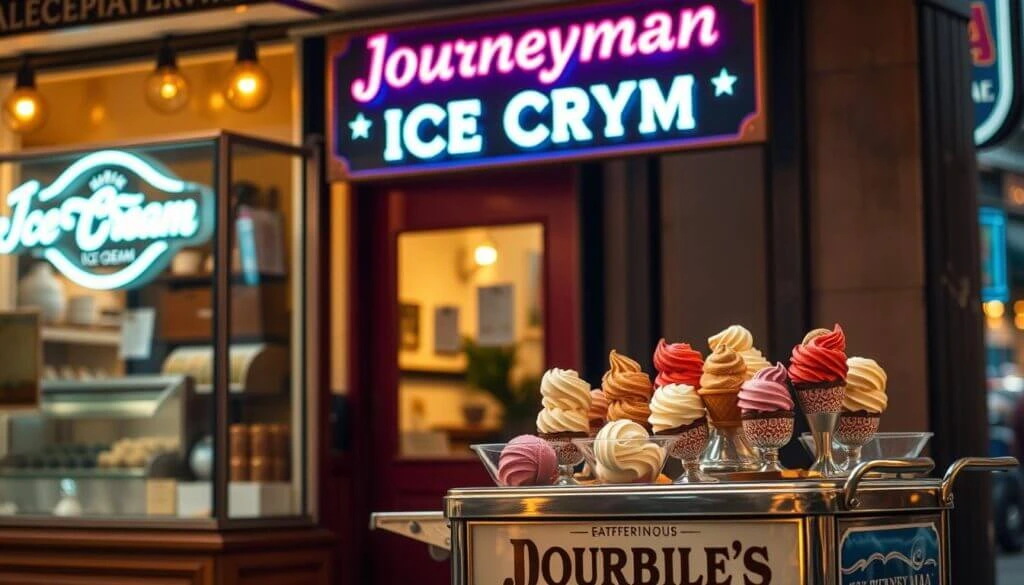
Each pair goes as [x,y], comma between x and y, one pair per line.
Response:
[484,254]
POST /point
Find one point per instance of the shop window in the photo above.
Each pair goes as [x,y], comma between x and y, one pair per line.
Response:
[471,337]
[129,361]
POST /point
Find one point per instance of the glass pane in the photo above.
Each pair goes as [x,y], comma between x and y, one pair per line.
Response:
[265,343]
[112,248]
[471,336]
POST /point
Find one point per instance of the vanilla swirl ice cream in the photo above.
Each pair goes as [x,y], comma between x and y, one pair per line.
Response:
[865,386]
[624,454]
[566,401]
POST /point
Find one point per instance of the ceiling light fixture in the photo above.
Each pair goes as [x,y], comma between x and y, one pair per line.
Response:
[167,90]
[248,86]
[25,109]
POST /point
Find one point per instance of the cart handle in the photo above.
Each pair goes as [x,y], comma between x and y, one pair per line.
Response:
[918,465]
[972,464]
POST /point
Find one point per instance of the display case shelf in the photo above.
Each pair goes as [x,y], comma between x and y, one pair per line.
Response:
[71,334]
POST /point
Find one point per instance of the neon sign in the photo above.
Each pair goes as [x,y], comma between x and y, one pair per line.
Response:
[111,220]
[995,79]
[572,83]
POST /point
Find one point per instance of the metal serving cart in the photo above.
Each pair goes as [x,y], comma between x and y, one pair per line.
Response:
[886,520]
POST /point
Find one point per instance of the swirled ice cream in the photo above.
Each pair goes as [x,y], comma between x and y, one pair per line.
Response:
[623,453]
[675,406]
[724,373]
[598,413]
[822,362]
[740,340]
[566,401]
[766,392]
[527,460]
[677,363]
[627,389]
[865,386]
[723,370]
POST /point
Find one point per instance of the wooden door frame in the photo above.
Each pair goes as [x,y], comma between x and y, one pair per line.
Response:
[376,220]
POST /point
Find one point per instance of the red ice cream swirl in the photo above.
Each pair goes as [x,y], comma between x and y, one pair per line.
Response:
[815,363]
[677,363]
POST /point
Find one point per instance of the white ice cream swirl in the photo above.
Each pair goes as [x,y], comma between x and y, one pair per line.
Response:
[566,400]
[624,453]
[865,386]
[675,405]
[739,339]
[754,360]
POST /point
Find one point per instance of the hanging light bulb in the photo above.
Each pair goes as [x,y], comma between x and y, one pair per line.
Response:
[166,88]
[25,108]
[248,86]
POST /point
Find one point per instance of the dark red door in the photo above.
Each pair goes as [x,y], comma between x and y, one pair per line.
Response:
[544,197]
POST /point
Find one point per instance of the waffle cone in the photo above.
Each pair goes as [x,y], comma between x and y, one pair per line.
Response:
[723,406]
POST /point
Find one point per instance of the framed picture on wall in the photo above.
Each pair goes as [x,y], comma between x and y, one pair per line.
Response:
[409,326]
[21,360]
[446,330]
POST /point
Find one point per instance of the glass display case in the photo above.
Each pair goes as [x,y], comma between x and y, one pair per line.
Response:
[168,287]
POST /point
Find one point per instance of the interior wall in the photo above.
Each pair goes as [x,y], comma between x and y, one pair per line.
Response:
[436,269]
[865,192]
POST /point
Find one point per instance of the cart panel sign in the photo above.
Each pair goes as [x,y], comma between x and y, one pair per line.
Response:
[571,83]
[111,220]
[903,554]
[636,553]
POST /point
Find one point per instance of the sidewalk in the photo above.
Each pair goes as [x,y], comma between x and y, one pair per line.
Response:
[1010,569]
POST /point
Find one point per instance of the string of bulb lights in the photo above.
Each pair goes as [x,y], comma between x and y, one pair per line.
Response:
[247,87]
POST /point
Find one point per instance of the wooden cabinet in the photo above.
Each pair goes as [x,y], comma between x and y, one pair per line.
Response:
[30,556]
[186,312]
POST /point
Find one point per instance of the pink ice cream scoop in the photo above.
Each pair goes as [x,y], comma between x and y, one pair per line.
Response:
[767,391]
[527,460]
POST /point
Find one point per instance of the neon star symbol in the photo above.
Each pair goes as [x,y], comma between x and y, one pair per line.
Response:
[360,127]
[723,82]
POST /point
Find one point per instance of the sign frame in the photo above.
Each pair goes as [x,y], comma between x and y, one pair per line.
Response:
[755,128]
[798,524]
[1005,25]
[844,528]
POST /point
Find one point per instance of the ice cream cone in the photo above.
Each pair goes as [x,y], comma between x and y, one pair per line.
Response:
[723,406]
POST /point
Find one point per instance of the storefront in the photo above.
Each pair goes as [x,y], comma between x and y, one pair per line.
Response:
[159,371]
[510,186]
[465,139]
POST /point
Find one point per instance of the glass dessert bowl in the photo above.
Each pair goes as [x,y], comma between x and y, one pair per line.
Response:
[626,461]
[523,461]
[901,445]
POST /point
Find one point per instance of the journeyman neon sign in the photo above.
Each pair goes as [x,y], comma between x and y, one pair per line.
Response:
[576,82]
[111,220]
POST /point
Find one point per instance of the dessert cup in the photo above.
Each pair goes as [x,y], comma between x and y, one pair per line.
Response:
[822,402]
[568,453]
[687,444]
[589,447]
[768,432]
[855,429]
[728,450]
